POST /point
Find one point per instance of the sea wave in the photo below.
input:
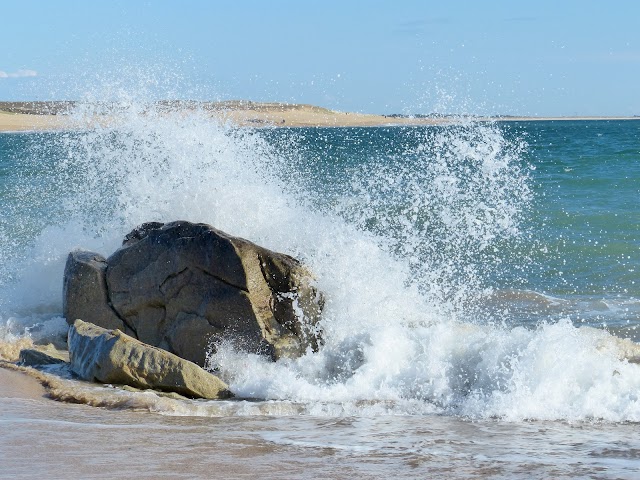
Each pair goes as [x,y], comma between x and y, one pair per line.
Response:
[403,245]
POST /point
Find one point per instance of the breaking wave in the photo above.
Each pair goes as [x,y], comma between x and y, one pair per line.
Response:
[409,231]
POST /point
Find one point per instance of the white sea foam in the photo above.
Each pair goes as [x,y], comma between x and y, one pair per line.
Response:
[402,259]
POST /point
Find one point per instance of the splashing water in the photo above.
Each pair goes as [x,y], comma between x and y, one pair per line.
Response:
[405,228]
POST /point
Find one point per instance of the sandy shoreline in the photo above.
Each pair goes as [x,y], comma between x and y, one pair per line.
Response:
[16,383]
[18,122]
[39,116]
[24,116]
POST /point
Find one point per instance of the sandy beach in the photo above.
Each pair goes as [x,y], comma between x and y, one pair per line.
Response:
[15,383]
[16,122]
[299,115]
[25,116]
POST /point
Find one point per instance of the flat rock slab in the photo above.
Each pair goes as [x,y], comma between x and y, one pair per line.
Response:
[111,356]
[48,355]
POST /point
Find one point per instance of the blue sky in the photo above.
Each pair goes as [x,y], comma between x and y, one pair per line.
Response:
[530,58]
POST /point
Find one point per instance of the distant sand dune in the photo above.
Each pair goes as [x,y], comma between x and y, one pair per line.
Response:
[17,116]
[20,122]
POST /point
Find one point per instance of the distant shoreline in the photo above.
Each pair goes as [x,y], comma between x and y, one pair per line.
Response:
[555,119]
[42,116]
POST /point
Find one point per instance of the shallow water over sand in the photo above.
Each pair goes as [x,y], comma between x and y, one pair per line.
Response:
[42,438]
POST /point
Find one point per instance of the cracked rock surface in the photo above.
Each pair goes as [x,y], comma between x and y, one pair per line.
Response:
[184,287]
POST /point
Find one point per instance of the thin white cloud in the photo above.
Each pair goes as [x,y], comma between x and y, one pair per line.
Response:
[18,74]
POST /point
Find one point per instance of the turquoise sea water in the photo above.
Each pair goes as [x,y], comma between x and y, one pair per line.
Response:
[474,272]
[578,218]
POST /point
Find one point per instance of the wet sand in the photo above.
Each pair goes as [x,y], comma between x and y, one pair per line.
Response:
[16,384]
[146,436]
[41,438]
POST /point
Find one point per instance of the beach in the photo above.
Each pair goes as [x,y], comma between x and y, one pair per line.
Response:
[17,384]
[16,122]
[319,240]
[22,116]
[481,315]
[47,439]
[25,116]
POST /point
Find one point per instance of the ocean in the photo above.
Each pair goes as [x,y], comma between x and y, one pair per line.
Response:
[482,312]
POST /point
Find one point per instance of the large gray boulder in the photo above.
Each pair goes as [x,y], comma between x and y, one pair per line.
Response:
[185,287]
[110,356]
